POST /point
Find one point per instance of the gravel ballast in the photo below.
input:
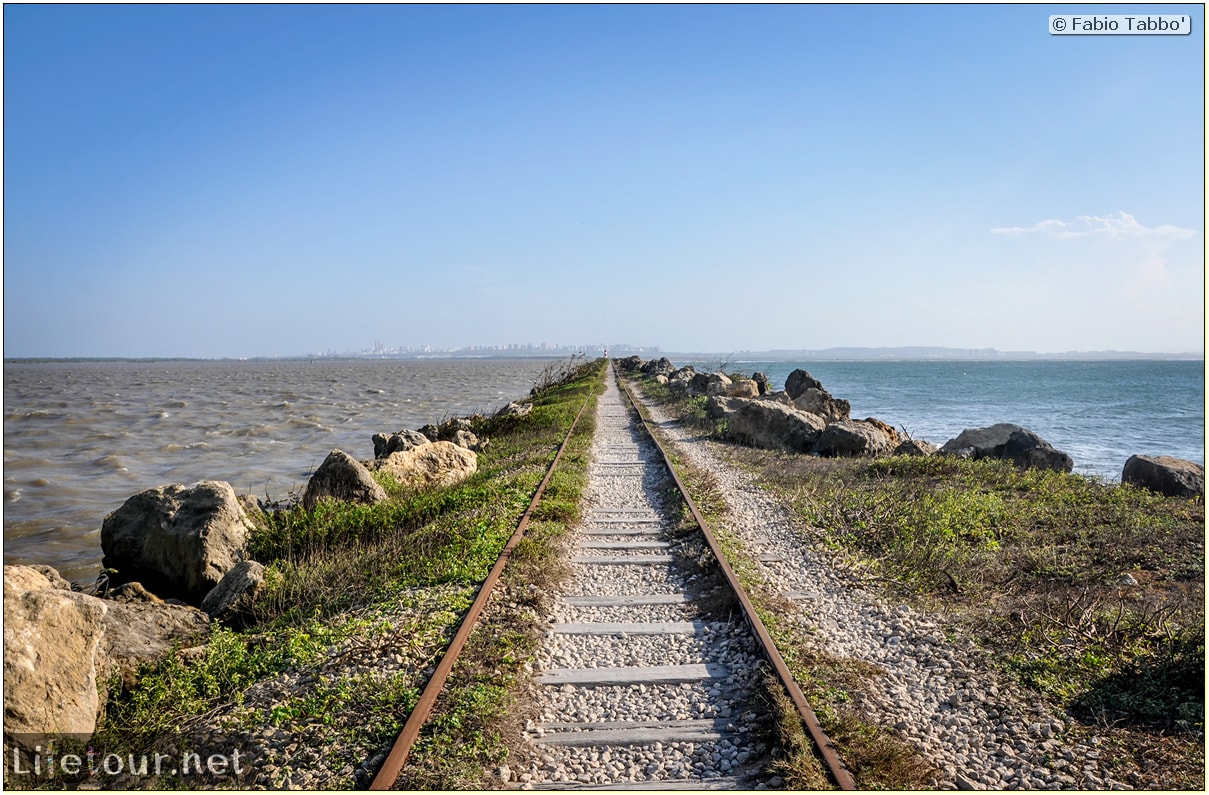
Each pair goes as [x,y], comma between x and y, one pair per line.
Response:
[943,698]
[698,733]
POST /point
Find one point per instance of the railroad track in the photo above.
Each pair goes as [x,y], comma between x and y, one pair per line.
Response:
[653,671]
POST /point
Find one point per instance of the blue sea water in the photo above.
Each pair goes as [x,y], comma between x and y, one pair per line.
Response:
[82,437]
[1100,412]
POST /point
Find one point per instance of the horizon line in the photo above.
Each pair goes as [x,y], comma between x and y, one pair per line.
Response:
[901,352]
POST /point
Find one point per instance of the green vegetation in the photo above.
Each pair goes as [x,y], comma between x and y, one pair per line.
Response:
[176,688]
[475,726]
[1039,566]
[1091,594]
[385,582]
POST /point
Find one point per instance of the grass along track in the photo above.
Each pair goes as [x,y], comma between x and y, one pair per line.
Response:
[388,773]
[645,675]
[1026,566]
[645,678]
[640,677]
[359,604]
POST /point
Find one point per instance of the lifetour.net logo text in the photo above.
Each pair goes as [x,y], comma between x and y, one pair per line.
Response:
[77,762]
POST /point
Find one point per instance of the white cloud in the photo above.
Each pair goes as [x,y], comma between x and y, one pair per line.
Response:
[1113,225]
[1120,283]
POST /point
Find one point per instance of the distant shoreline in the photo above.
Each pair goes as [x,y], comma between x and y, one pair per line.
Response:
[900,354]
[263,359]
[922,354]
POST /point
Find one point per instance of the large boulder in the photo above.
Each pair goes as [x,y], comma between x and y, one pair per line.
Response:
[718,384]
[514,410]
[1165,474]
[854,438]
[252,507]
[1026,449]
[177,539]
[743,388]
[134,593]
[661,366]
[387,443]
[467,439]
[971,440]
[436,464]
[680,380]
[235,594]
[721,407]
[885,428]
[629,363]
[52,574]
[447,430]
[144,632]
[766,423]
[916,447]
[52,641]
[698,383]
[781,397]
[451,426]
[799,381]
[61,647]
[820,402]
[1010,442]
[344,478]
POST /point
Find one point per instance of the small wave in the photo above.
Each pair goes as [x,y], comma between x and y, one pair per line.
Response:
[163,415]
[110,461]
[175,404]
[24,463]
[39,482]
[285,404]
[255,430]
[12,495]
[176,448]
[306,422]
[36,414]
[375,391]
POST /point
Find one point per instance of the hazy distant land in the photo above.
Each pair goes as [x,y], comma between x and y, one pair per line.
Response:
[902,353]
[928,353]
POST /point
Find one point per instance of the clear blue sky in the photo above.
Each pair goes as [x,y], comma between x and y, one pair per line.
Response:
[236,180]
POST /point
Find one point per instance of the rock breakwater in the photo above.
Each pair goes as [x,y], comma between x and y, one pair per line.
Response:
[805,418]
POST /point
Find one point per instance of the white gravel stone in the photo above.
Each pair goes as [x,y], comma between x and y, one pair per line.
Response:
[720,642]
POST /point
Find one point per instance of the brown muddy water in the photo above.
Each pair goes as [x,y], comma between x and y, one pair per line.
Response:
[82,437]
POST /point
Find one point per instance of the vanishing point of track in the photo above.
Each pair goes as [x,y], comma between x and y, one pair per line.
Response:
[645,678]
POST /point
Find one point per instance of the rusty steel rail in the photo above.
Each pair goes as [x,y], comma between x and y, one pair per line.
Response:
[835,766]
[392,766]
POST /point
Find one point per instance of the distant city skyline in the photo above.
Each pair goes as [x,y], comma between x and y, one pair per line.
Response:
[528,348]
[619,350]
[209,180]
[648,352]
